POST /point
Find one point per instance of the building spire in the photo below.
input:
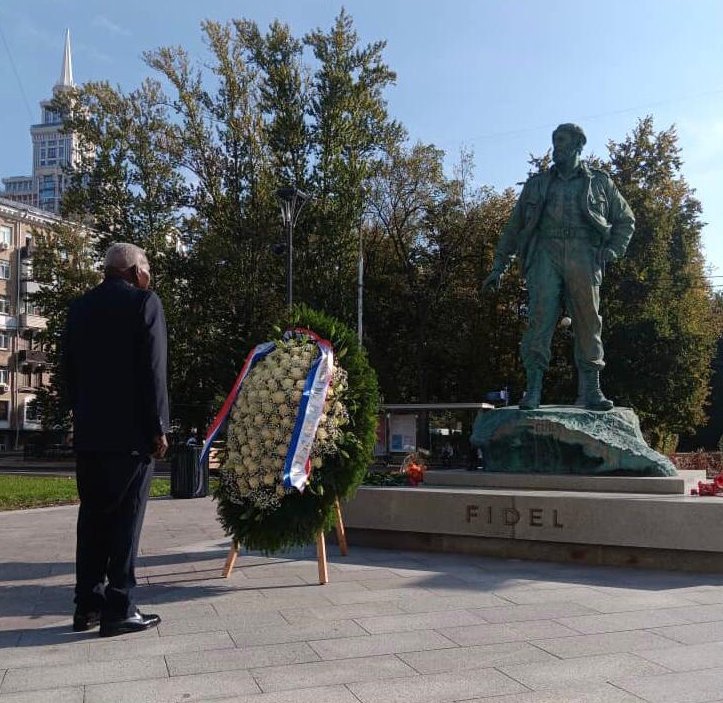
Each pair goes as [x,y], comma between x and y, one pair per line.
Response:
[66,72]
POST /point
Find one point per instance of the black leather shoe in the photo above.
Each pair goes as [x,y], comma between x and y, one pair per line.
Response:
[87,620]
[135,623]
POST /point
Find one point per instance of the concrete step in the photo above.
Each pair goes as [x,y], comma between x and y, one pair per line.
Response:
[653,485]
[661,530]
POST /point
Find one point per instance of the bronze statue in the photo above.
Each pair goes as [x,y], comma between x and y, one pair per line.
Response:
[568,222]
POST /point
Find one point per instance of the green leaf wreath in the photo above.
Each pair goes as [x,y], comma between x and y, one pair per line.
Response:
[254,509]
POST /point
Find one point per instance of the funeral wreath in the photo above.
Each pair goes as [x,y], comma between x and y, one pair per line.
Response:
[300,431]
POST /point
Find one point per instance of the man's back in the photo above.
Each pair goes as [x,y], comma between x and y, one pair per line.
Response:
[115,357]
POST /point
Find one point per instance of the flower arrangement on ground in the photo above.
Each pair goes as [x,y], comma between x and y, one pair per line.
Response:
[300,433]
[414,467]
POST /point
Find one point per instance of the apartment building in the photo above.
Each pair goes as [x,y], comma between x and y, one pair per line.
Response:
[23,363]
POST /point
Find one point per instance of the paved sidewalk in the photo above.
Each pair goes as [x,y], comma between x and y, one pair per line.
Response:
[390,626]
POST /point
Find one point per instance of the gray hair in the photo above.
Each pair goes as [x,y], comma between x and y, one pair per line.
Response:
[122,256]
[573,129]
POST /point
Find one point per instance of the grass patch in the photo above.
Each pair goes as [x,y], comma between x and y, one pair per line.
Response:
[18,492]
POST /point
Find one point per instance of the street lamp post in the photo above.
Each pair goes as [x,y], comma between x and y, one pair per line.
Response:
[360,269]
[291,200]
[360,288]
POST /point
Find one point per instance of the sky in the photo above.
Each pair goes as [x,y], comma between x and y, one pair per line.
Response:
[491,76]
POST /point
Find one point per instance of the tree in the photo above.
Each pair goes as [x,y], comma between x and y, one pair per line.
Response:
[429,242]
[230,219]
[191,175]
[658,307]
[64,263]
[494,323]
[127,187]
[350,131]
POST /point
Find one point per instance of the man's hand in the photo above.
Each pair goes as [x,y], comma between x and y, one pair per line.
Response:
[160,446]
[494,279]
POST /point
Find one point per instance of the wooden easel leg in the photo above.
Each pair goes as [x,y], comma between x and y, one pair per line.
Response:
[230,559]
[340,532]
[321,559]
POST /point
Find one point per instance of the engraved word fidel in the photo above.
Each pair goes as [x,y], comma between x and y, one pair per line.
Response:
[534,517]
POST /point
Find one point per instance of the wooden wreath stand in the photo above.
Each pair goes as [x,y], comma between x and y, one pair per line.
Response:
[320,549]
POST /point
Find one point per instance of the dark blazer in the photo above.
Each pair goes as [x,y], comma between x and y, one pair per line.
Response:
[114,355]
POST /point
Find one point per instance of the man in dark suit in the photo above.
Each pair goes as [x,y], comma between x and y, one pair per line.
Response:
[114,355]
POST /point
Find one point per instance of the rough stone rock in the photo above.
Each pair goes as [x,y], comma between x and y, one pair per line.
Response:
[557,439]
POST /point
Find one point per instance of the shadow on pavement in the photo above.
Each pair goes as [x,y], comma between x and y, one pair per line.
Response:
[196,576]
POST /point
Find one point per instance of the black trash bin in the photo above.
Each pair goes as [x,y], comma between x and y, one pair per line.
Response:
[188,479]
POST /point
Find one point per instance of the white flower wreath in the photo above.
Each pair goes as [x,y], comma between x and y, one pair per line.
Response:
[264,415]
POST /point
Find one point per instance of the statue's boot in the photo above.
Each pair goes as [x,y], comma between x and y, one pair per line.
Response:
[591,397]
[531,399]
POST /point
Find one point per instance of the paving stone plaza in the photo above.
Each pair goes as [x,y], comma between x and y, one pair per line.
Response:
[390,626]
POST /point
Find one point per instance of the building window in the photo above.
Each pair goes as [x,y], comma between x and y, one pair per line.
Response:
[50,116]
[31,308]
[6,235]
[47,193]
[32,411]
[4,410]
[4,339]
[4,270]
[4,305]
[3,375]
[47,187]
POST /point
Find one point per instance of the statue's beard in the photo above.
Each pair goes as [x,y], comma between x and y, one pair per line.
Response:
[560,156]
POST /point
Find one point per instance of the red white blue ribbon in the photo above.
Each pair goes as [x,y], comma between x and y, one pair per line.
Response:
[298,465]
[219,422]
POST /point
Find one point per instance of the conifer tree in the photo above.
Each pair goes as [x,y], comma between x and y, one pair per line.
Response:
[658,307]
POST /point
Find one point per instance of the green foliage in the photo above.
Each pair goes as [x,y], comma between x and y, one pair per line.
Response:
[660,321]
[385,478]
[189,172]
[19,492]
[126,187]
[429,243]
[350,132]
[301,516]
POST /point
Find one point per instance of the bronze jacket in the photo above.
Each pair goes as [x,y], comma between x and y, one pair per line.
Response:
[609,214]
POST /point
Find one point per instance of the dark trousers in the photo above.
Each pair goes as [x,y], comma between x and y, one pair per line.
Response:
[113,490]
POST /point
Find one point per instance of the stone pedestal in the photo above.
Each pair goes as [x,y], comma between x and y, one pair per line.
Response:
[652,522]
[560,483]
[557,439]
